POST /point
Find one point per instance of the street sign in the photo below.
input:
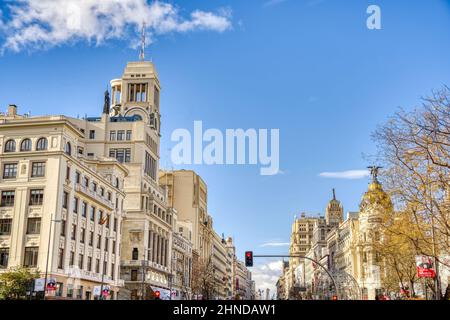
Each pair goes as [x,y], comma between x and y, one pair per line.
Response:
[96,291]
[425,267]
[39,284]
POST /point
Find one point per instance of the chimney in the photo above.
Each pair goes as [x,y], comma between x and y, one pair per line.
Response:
[12,110]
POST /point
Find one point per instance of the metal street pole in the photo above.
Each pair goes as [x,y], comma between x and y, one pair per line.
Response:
[103,269]
[48,253]
[437,287]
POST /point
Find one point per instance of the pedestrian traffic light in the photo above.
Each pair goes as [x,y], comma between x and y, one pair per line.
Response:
[249,259]
[335,297]
[157,295]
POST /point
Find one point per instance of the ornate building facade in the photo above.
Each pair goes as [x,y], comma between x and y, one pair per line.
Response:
[60,204]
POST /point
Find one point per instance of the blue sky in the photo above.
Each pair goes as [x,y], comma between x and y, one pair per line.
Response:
[310,68]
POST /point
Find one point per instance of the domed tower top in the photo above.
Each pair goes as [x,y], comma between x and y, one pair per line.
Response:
[375,200]
[334,213]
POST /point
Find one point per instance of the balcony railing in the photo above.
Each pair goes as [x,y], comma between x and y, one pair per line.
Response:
[94,195]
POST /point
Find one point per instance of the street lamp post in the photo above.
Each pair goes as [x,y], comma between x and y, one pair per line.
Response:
[48,252]
[103,269]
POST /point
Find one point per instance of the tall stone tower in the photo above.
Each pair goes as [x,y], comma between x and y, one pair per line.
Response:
[334,213]
[137,93]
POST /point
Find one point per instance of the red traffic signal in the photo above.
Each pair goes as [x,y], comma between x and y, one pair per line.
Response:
[335,298]
[157,295]
[249,258]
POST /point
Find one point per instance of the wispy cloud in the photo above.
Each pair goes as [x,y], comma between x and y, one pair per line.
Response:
[275,244]
[271,3]
[37,24]
[266,275]
[350,174]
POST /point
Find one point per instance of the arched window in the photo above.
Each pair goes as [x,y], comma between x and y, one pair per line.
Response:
[68,149]
[41,144]
[25,145]
[10,146]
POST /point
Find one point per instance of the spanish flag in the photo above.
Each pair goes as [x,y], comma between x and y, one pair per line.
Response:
[104,218]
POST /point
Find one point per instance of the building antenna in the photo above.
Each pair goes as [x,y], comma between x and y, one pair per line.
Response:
[142,53]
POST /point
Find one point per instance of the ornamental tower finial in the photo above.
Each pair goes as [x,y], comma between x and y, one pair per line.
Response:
[374,170]
[142,53]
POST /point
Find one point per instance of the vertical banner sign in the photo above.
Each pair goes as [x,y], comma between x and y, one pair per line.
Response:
[425,267]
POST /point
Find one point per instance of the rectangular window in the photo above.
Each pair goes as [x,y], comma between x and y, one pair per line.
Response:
[106,244]
[120,135]
[8,198]
[112,135]
[150,166]
[84,209]
[77,177]
[134,275]
[99,241]
[80,261]
[75,205]
[89,264]
[63,228]
[102,191]
[91,134]
[127,155]
[34,226]
[115,224]
[94,187]
[71,258]
[156,98]
[4,256]
[65,200]
[86,182]
[97,265]
[112,271]
[31,257]
[128,135]
[92,214]
[61,258]
[10,171]
[59,289]
[38,169]
[82,235]
[36,197]
[68,173]
[99,216]
[91,238]
[69,291]
[114,247]
[74,232]
[5,227]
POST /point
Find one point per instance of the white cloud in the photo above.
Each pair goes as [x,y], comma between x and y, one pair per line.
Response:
[350,174]
[35,24]
[266,276]
[271,3]
[275,244]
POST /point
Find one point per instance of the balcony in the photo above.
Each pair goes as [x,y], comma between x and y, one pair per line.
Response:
[93,195]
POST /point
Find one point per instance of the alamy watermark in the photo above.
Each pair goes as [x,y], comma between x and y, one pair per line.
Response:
[234,147]
[374,20]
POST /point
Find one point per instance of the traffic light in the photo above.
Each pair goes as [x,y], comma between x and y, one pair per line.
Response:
[157,295]
[249,259]
[335,297]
